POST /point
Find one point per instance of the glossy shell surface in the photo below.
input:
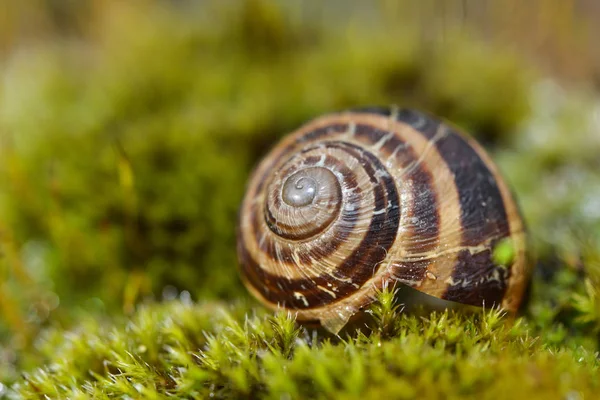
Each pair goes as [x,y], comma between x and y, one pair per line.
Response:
[357,200]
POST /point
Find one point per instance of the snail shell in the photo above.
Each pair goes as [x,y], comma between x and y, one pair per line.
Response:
[355,201]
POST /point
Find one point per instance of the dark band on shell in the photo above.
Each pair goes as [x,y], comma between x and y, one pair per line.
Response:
[354,201]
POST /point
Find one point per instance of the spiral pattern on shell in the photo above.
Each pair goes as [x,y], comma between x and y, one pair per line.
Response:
[354,201]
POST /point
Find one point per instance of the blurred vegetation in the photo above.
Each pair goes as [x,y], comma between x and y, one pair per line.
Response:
[127,133]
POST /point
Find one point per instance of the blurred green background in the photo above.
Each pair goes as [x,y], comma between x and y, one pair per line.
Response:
[128,130]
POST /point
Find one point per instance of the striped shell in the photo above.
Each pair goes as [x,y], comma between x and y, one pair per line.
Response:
[355,201]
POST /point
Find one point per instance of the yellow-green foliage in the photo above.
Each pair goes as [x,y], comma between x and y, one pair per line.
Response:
[210,350]
[127,136]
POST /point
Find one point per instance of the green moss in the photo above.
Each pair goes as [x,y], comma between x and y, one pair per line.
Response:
[181,350]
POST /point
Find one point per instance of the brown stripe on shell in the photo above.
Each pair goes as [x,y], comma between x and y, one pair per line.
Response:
[319,133]
[520,270]
[482,207]
[281,229]
[300,232]
[372,110]
[326,247]
[354,271]
[400,147]
[425,228]
[477,280]
[483,215]
[288,146]
[333,317]
[262,174]
[431,257]
[483,218]
[399,152]
[410,273]
[369,134]
[423,212]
